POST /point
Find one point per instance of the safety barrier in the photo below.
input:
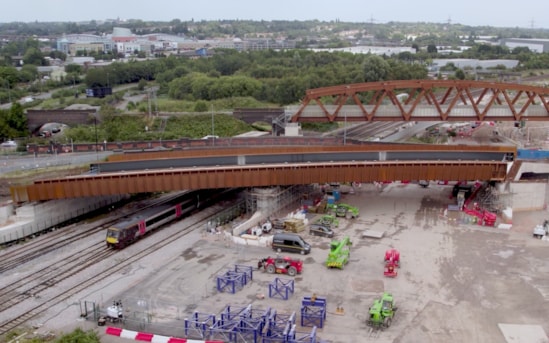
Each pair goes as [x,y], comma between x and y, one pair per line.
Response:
[149,337]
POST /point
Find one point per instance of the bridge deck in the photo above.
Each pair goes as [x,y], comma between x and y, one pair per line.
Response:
[145,178]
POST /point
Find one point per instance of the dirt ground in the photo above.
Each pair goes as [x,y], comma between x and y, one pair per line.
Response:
[457,282]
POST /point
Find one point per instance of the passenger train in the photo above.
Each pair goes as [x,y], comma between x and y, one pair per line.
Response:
[131,229]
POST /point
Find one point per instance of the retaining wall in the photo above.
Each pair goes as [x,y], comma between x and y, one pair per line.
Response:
[33,218]
[528,196]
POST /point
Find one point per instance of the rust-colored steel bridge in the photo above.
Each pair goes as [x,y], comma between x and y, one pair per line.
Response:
[411,100]
[424,100]
[256,167]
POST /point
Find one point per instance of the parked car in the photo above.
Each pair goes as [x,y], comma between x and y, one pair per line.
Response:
[321,230]
[9,144]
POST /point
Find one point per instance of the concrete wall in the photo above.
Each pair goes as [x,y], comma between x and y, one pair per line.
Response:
[35,217]
[533,167]
[528,196]
[256,218]
[6,210]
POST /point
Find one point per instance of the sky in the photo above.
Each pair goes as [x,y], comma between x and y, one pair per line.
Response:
[530,14]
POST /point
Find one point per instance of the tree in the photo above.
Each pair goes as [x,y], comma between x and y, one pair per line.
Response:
[432,49]
[34,56]
[8,74]
[200,106]
[28,73]
[460,74]
[108,122]
[73,68]
[58,54]
[141,84]
[375,69]
[17,119]
[96,77]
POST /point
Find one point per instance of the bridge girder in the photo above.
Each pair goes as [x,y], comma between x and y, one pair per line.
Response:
[256,176]
[424,100]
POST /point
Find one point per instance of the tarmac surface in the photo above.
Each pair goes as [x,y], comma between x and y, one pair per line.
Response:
[457,282]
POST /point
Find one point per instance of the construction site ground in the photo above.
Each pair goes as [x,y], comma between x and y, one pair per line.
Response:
[457,282]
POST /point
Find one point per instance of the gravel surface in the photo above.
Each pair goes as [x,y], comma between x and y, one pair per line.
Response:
[456,284]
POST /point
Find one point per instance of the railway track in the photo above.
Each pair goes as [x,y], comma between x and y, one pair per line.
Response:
[15,257]
[33,284]
[66,294]
[61,271]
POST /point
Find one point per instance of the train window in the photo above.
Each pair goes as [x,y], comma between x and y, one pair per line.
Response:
[113,233]
[161,217]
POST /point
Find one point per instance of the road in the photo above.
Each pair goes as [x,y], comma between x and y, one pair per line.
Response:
[11,163]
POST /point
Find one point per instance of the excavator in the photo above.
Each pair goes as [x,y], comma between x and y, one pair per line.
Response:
[339,253]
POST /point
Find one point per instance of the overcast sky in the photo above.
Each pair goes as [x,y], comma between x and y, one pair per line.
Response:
[527,14]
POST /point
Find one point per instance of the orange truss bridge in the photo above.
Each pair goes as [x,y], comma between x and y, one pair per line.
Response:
[424,100]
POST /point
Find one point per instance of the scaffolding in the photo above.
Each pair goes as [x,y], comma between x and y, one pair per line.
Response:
[491,199]
[274,199]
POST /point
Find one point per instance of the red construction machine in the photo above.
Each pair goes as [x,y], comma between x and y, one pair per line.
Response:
[392,262]
[281,265]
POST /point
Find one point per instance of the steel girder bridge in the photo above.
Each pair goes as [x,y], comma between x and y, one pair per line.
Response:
[424,100]
[275,166]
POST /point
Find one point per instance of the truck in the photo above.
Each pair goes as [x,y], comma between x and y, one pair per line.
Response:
[541,230]
[339,253]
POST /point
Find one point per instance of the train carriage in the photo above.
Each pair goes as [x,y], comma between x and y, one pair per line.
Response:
[129,230]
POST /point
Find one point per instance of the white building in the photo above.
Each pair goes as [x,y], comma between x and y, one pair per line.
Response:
[534,44]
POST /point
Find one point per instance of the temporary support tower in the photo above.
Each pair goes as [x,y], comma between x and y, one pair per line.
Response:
[278,327]
[248,270]
[309,337]
[281,288]
[234,280]
[198,325]
[313,311]
[239,325]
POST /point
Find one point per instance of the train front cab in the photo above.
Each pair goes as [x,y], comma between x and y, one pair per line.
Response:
[119,237]
[113,237]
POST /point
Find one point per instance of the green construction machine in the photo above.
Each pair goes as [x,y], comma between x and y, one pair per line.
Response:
[339,253]
[382,312]
[347,211]
[329,220]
